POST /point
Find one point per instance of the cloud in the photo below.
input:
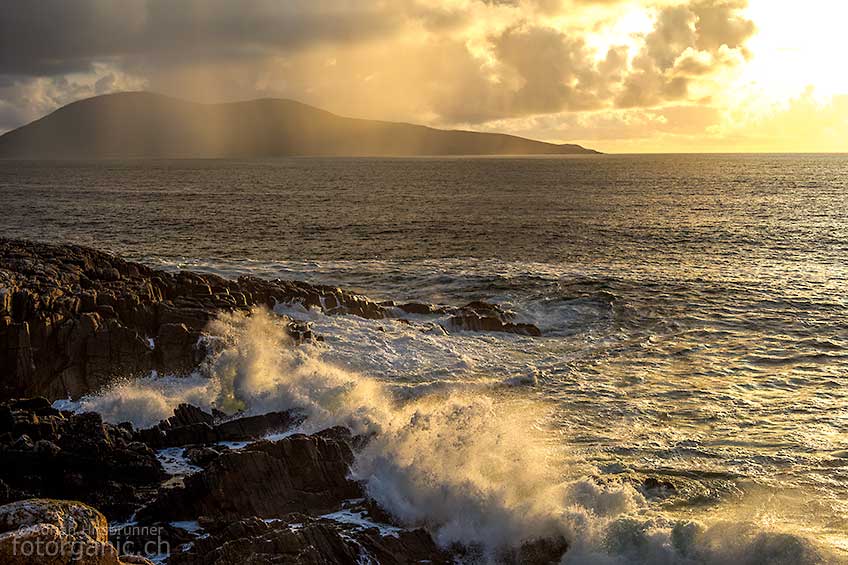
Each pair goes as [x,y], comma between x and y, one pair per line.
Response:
[719,23]
[688,41]
[446,62]
[50,37]
[524,70]
[24,100]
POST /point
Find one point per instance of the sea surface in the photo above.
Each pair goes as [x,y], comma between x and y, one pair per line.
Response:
[687,403]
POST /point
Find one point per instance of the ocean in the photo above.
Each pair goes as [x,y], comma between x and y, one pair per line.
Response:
[687,402]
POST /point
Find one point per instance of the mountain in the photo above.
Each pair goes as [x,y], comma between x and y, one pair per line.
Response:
[146,125]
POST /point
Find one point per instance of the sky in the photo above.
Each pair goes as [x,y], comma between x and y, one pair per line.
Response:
[615,75]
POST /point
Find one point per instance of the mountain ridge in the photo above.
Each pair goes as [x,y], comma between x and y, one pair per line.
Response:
[148,125]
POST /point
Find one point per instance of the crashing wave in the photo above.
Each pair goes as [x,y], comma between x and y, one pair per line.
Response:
[477,470]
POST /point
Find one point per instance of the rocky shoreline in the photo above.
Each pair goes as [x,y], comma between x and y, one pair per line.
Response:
[207,487]
[285,501]
[274,497]
[73,318]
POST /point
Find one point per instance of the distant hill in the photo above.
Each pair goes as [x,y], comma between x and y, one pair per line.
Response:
[145,125]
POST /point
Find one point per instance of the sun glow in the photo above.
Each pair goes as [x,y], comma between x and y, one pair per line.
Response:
[796,50]
[626,30]
[798,46]
[784,91]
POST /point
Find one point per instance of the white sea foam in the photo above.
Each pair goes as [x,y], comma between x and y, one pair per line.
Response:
[474,468]
[360,520]
[145,401]
[175,462]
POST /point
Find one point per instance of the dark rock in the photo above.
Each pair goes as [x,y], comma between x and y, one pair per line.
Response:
[343,434]
[192,434]
[421,309]
[149,539]
[175,347]
[655,484]
[475,316]
[544,551]
[192,426]
[253,427]
[337,433]
[187,414]
[473,322]
[47,448]
[201,456]
[266,479]
[23,443]
[6,492]
[652,483]
[72,319]
[482,316]
[310,542]
[301,332]
[38,404]
[76,457]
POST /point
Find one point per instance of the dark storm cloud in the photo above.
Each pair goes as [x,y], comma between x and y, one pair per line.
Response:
[51,37]
[10,116]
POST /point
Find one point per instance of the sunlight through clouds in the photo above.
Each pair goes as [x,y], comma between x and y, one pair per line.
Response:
[642,73]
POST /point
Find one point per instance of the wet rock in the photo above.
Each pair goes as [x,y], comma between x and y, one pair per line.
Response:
[266,479]
[343,434]
[23,443]
[421,309]
[46,448]
[192,426]
[39,405]
[543,551]
[476,323]
[175,347]
[149,539]
[477,316]
[301,540]
[252,427]
[72,319]
[301,332]
[187,414]
[6,493]
[652,483]
[202,456]
[653,487]
[75,456]
[192,434]
[328,299]
[481,316]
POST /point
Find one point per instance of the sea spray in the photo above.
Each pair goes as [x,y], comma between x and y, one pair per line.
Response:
[473,468]
[463,465]
[145,401]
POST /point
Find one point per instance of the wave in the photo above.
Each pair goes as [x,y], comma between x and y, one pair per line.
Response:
[475,468]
